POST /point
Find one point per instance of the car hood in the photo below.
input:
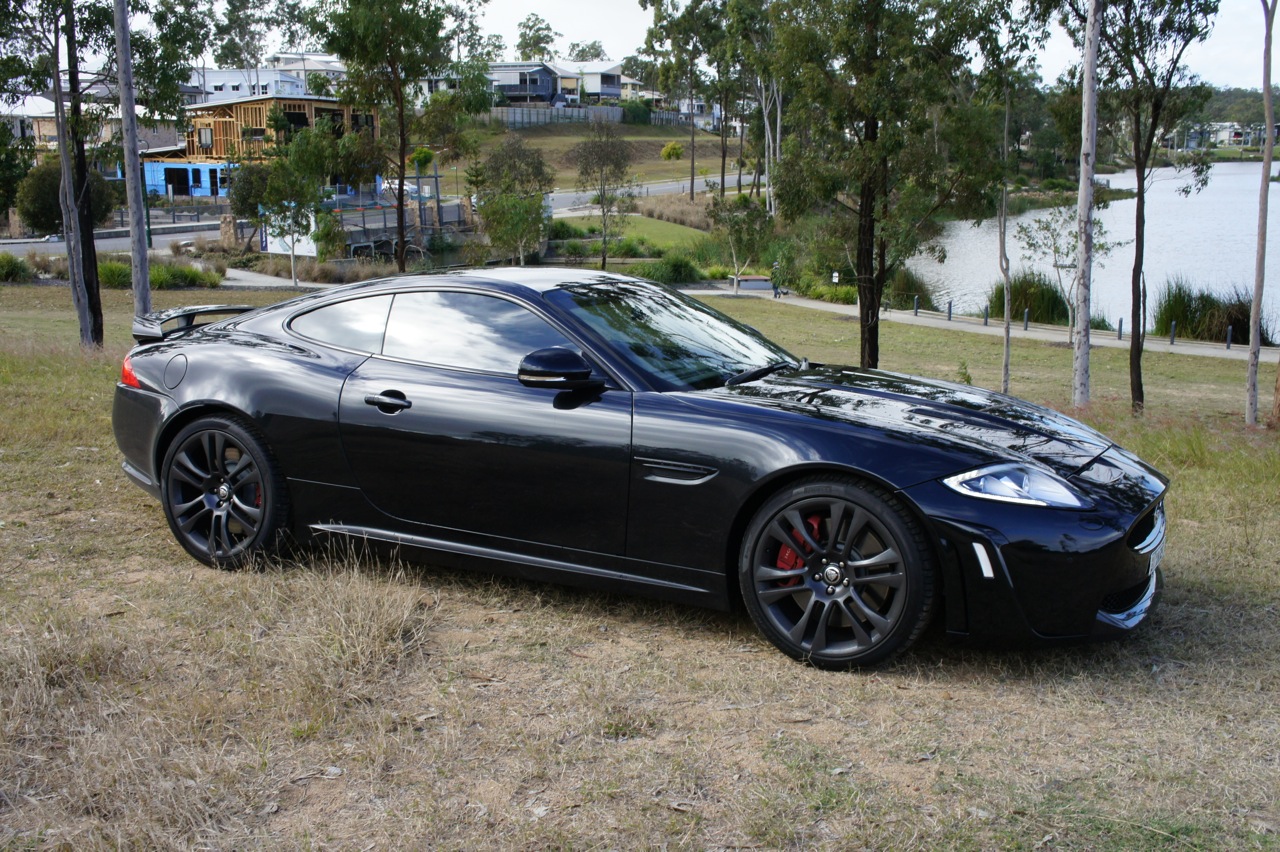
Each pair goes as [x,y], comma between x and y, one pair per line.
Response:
[958,414]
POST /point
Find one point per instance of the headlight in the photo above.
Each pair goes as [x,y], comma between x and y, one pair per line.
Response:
[1018,483]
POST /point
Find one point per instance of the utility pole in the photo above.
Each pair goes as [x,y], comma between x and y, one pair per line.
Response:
[132,166]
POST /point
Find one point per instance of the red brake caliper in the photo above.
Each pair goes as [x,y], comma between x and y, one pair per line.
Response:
[789,559]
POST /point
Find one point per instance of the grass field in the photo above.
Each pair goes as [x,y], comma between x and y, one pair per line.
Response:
[148,702]
[660,233]
[556,140]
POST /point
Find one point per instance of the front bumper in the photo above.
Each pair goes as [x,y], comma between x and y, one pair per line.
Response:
[1024,571]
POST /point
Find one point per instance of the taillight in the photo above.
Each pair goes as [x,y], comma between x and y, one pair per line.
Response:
[127,375]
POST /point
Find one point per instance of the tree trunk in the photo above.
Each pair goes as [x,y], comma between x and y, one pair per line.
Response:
[80,184]
[1260,259]
[1084,213]
[1003,223]
[66,198]
[864,262]
[132,166]
[1137,314]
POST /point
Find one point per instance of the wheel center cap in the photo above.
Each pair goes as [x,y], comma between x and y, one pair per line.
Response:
[831,575]
[224,491]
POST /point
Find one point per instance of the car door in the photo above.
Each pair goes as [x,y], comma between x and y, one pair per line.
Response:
[439,431]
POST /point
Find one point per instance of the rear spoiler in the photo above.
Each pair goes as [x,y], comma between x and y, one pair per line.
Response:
[151,328]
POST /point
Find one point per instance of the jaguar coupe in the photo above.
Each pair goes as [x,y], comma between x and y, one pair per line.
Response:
[609,432]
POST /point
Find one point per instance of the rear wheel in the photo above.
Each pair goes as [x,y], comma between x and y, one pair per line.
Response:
[837,573]
[222,493]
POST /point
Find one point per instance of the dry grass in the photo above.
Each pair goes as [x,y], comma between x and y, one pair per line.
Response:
[149,702]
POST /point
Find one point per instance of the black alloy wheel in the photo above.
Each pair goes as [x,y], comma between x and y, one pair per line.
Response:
[836,573]
[221,491]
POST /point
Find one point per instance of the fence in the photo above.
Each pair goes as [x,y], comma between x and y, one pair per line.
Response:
[537,116]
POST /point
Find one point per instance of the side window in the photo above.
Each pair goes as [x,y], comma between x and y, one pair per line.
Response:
[354,324]
[466,330]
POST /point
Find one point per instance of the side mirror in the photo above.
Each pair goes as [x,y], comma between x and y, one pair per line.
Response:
[562,369]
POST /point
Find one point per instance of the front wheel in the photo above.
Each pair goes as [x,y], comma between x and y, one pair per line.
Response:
[837,573]
[222,494]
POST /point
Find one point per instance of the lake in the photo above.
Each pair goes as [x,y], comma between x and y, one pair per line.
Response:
[1208,238]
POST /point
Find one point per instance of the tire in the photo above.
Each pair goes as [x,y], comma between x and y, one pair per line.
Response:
[837,573]
[222,492]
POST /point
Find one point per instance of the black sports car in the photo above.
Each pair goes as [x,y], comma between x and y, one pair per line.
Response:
[610,432]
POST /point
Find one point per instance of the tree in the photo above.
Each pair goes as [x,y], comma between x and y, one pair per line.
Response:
[586,51]
[537,39]
[604,162]
[15,162]
[37,198]
[240,36]
[1140,70]
[511,187]
[36,36]
[1260,259]
[1054,237]
[248,192]
[745,225]
[882,138]
[753,36]
[389,47]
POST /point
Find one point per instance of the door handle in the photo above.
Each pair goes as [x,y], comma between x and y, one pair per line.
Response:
[388,402]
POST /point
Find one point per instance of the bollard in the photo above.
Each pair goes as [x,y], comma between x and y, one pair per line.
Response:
[1228,337]
[948,312]
[917,308]
[1173,330]
[1026,318]
[986,315]
[1120,330]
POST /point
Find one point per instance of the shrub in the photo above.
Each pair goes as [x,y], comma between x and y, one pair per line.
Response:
[1058,185]
[38,198]
[1202,315]
[14,269]
[114,275]
[635,247]
[903,288]
[564,230]
[718,272]
[1034,291]
[672,151]
[672,269]
[840,294]
[168,276]
[574,250]
[635,112]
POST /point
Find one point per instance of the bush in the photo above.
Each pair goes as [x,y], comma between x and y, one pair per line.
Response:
[14,269]
[902,289]
[39,193]
[1058,185]
[1034,291]
[168,276]
[672,151]
[574,250]
[840,294]
[565,230]
[719,273]
[672,269]
[635,247]
[635,112]
[1201,315]
[114,275]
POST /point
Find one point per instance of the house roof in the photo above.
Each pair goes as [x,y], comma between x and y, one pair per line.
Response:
[606,66]
[214,105]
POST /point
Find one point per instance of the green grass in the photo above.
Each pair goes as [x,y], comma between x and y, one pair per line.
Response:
[148,702]
[662,234]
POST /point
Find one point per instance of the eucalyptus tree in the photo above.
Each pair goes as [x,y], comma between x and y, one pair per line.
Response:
[1142,73]
[36,38]
[390,47]
[586,51]
[752,38]
[511,187]
[879,140]
[1260,256]
[684,36]
[536,40]
[604,165]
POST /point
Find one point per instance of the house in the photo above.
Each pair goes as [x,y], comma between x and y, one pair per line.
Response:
[537,83]
[229,84]
[600,80]
[226,131]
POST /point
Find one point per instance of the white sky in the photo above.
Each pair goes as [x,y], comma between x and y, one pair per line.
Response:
[1231,57]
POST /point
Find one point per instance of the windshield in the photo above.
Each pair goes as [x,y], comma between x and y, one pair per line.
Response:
[677,342]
